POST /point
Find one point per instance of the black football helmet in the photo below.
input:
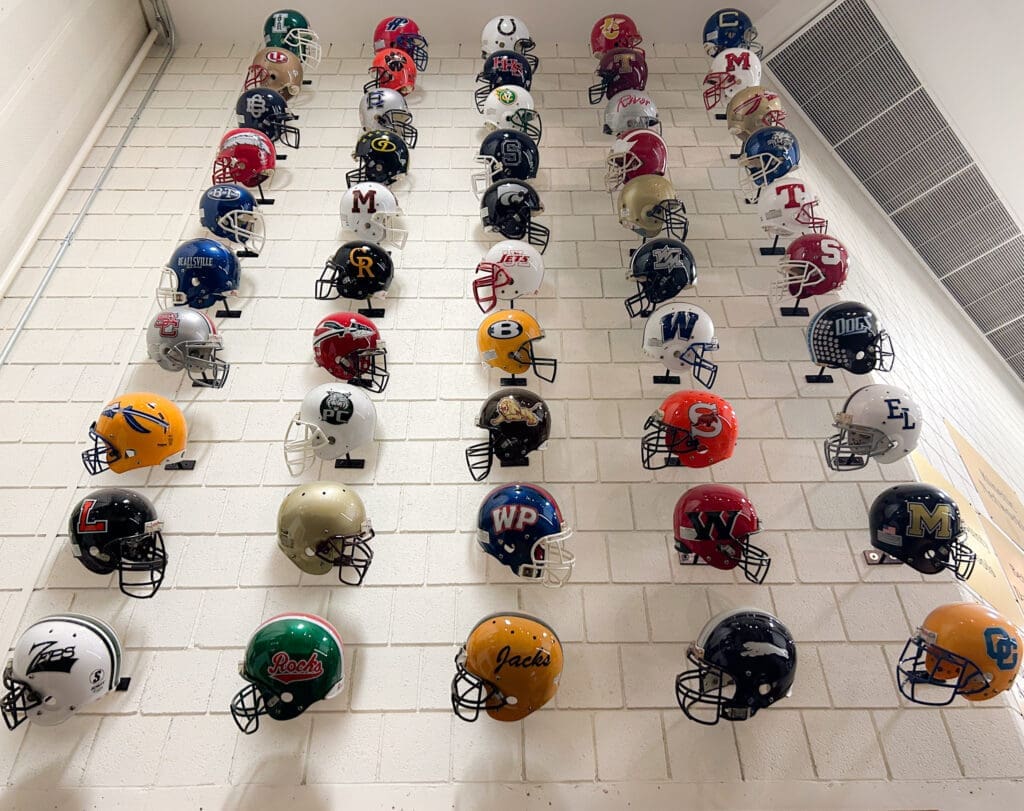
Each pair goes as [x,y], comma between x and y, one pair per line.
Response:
[357,270]
[115,529]
[745,661]
[848,335]
[506,155]
[508,207]
[662,268]
[517,422]
[266,110]
[382,156]
[502,68]
[920,525]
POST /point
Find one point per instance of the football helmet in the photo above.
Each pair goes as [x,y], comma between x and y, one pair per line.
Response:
[509,667]
[291,662]
[848,335]
[382,156]
[814,264]
[230,212]
[385,109]
[521,526]
[648,205]
[788,208]
[199,273]
[245,156]
[358,270]
[510,270]
[752,109]
[745,660]
[879,422]
[517,422]
[115,529]
[371,210]
[404,34]
[323,526]
[392,69]
[508,34]
[692,429]
[349,346]
[613,31]
[505,154]
[715,522]
[919,524]
[334,420]
[730,28]
[276,69]
[59,665]
[635,153]
[661,268]
[266,110]
[502,68]
[505,340]
[680,335]
[137,429]
[732,70]
[289,29]
[508,207]
[630,110]
[961,649]
[512,107]
[620,69]
[767,155]
[183,338]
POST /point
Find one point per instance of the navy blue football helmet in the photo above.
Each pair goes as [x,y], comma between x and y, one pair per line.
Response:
[501,69]
[730,28]
[767,155]
[230,212]
[266,110]
[199,273]
[521,526]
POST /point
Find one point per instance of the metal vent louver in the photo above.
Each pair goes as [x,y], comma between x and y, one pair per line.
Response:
[856,88]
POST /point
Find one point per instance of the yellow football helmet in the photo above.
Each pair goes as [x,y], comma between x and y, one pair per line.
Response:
[135,430]
[962,649]
[648,204]
[753,108]
[505,340]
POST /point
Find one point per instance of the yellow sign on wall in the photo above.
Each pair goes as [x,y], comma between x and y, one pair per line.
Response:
[997,495]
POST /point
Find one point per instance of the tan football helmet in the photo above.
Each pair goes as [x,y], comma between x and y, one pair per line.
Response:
[753,108]
[275,69]
[509,667]
[648,205]
[322,525]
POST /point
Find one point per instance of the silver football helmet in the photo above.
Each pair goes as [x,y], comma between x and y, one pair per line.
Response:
[183,338]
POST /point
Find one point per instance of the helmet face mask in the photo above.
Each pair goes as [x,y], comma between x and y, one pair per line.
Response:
[471,694]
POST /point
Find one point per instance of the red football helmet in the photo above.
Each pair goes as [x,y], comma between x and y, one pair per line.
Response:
[245,156]
[349,346]
[814,264]
[394,69]
[692,428]
[715,522]
[620,69]
[613,31]
[635,153]
[404,34]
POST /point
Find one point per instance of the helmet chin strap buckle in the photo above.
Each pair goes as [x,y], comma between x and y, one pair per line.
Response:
[875,557]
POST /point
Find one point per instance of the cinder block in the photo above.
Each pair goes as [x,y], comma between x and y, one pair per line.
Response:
[916,743]
[810,612]
[845,745]
[615,614]
[700,754]
[178,682]
[404,758]
[774,746]
[137,765]
[648,674]
[197,751]
[858,676]
[630,745]
[980,736]
[871,613]
[822,557]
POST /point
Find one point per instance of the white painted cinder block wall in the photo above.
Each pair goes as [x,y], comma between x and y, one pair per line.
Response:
[614,734]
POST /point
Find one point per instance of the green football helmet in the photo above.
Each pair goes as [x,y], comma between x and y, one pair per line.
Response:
[323,525]
[291,662]
[288,28]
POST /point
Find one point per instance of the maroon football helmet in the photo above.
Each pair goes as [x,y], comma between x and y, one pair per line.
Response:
[814,264]
[715,522]
[620,69]
[634,153]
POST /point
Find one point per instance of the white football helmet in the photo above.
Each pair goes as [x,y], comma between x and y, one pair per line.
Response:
[879,422]
[371,211]
[788,208]
[508,271]
[733,70]
[630,110]
[183,338]
[334,419]
[508,34]
[512,107]
[679,335]
[60,664]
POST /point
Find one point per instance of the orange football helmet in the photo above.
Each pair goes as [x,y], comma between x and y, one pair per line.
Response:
[692,428]
[135,430]
[392,69]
